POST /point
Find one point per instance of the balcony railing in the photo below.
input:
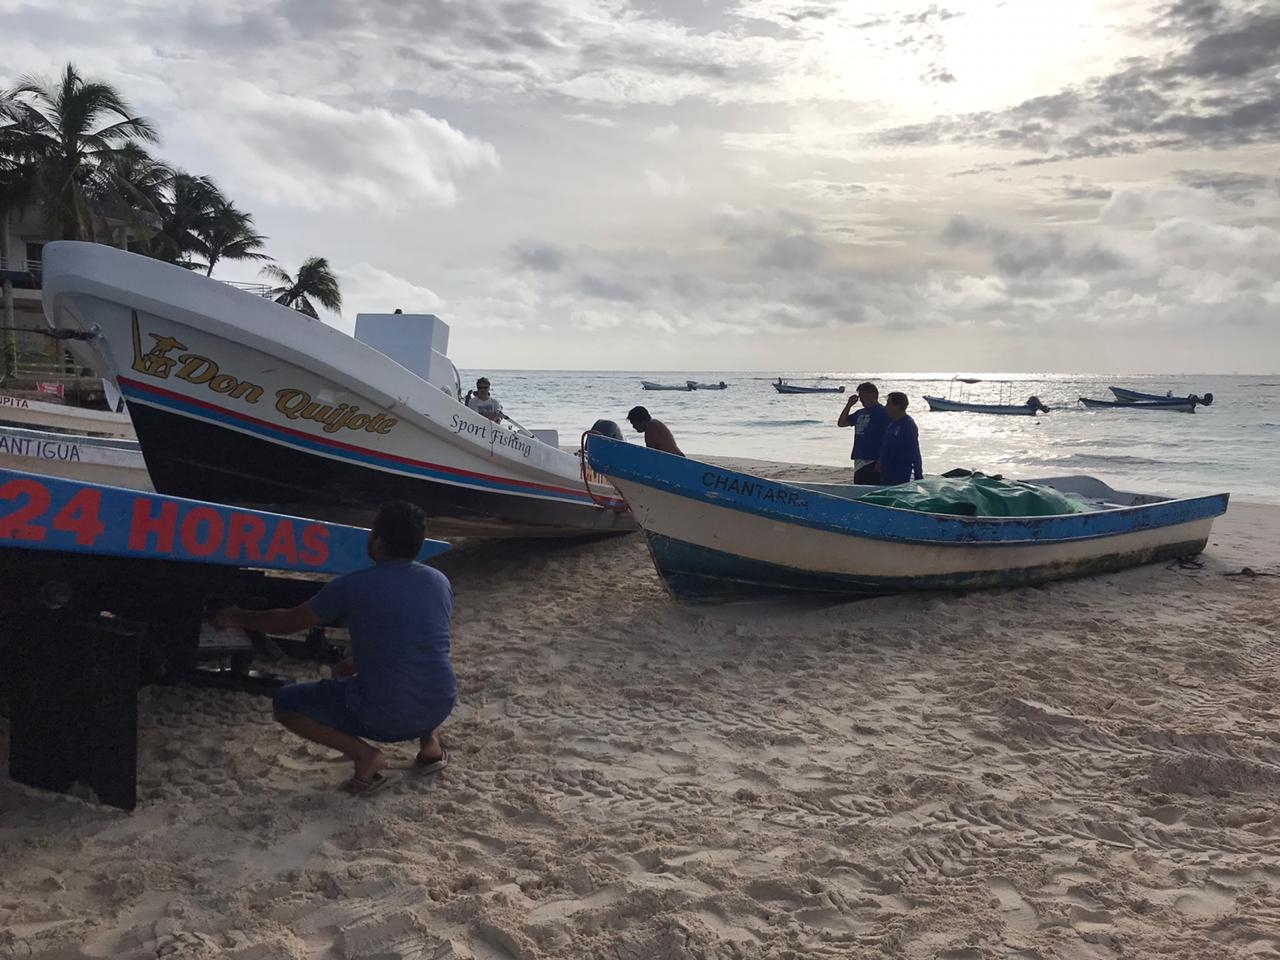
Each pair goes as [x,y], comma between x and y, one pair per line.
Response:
[257,289]
[27,273]
[20,265]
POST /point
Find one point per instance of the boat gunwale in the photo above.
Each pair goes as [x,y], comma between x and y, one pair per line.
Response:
[842,515]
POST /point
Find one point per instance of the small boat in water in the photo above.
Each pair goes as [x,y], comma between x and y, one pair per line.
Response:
[956,400]
[239,400]
[782,387]
[715,533]
[650,385]
[1133,396]
[112,461]
[1031,408]
[694,385]
[1177,405]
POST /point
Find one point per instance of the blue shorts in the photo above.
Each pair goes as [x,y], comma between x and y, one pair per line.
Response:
[325,701]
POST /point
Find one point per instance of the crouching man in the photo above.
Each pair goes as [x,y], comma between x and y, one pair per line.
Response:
[398,684]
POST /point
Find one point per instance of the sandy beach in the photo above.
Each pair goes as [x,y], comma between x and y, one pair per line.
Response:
[1089,770]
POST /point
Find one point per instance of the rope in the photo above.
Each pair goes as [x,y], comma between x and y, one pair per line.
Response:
[586,482]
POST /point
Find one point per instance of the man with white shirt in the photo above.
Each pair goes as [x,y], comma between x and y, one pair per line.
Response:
[483,402]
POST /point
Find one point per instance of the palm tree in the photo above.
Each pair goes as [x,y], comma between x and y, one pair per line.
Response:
[228,234]
[190,206]
[314,281]
[56,132]
[135,191]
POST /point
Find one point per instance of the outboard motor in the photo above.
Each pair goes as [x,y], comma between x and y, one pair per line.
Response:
[1036,404]
[1203,401]
[607,428]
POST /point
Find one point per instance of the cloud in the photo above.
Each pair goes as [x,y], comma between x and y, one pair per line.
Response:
[542,257]
[369,289]
[1024,255]
[1219,87]
[666,186]
[301,152]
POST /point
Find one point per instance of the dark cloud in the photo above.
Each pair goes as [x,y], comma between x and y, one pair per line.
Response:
[622,290]
[1241,188]
[1219,88]
[542,257]
[779,240]
[1029,256]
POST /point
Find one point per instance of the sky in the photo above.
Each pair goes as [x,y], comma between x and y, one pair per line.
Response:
[787,185]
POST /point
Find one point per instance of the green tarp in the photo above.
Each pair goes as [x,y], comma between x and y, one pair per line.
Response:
[977,496]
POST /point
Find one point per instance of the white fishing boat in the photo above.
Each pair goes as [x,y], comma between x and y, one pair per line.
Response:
[63,418]
[112,461]
[651,385]
[959,402]
[240,400]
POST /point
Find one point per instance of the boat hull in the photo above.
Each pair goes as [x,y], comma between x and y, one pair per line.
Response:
[1176,406]
[243,401]
[111,462]
[942,405]
[210,456]
[1129,396]
[788,388]
[717,534]
[649,385]
[37,415]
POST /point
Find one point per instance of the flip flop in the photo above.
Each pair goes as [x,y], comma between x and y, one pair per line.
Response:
[423,765]
[364,788]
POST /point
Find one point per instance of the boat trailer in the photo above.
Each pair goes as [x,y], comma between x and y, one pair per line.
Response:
[103,589]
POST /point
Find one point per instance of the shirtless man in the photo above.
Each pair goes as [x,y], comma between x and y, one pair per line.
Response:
[656,434]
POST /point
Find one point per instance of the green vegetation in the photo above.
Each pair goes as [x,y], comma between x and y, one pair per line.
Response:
[74,150]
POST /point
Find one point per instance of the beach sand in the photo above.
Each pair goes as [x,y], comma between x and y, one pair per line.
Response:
[1089,770]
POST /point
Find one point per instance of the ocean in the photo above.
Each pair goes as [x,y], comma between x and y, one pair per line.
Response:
[1231,446]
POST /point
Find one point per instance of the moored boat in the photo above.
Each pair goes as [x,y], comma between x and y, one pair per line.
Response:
[1133,396]
[1031,408]
[782,387]
[694,385]
[718,533]
[1176,405]
[239,400]
[957,400]
[650,385]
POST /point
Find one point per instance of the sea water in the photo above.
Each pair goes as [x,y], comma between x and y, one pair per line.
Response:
[1231,446]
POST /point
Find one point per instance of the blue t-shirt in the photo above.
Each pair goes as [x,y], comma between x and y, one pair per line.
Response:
[397,613]
[868,432]
[900,458]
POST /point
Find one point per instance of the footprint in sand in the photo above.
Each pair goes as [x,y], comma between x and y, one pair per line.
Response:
[1018,915]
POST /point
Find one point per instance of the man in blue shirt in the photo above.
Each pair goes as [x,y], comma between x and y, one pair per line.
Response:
[398,684]
[868,432]
[900,456]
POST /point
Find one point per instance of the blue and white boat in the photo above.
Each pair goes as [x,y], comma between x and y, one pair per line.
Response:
[717,533]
